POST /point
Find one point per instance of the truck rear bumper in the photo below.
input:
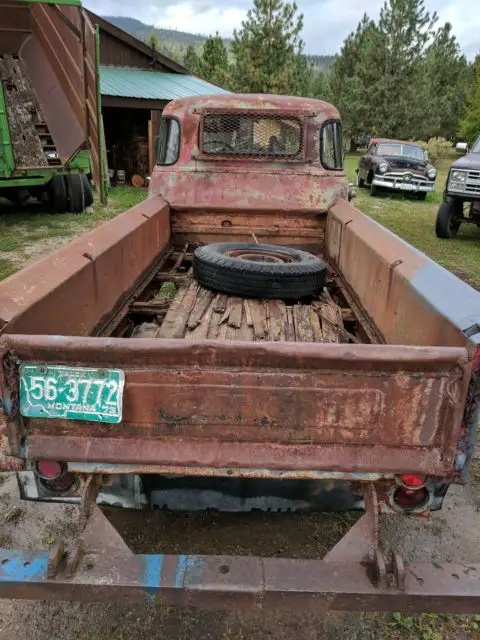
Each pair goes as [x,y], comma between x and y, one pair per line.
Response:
[342,581]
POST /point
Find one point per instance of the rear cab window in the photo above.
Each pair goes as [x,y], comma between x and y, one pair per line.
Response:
[168,149]
[331,147]
[252,135]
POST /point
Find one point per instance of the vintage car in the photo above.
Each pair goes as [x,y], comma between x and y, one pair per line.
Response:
[396,165]
[461,197]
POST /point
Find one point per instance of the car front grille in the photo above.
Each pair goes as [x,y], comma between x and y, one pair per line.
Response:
[472,184]
[405,176]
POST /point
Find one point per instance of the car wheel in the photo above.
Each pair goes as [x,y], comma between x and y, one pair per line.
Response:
[448,224]
[373,190]
[359,182]
[76,193]
[259,270]
[58,196]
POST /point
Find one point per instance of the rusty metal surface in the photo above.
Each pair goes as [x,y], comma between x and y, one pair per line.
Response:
[212,472]
[279,190]
[102,568]
[86,277]
[223,582]
[305,229]
[411,299]
[355,408]
[15,26]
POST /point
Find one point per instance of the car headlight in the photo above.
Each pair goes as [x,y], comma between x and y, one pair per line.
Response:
[432,173]
[458,176]
[383,168]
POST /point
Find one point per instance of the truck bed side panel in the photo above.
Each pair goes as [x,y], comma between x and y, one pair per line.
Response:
[71,290]
[411,299]
[273,405]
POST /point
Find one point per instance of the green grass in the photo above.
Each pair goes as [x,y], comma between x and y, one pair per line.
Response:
[414,221]
[430,626]
[27,233]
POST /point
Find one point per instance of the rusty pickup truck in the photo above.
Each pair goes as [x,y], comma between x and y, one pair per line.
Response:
[125,381]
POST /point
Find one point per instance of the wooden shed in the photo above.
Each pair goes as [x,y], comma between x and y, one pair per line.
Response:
[136,84]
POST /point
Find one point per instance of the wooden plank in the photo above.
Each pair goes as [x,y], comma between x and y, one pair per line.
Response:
[245,332]
[177,316]
[201,331]
[231,333]
[257,309]
[248,313]
[289,326]
[215,324]
[235,318]
[348,315]
[316,326]
[301,319]
[328,317]
[220,303]
[276,321]
[222,331]
[204,298]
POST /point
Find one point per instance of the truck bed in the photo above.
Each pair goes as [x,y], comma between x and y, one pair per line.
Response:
[179,307]
[206,405]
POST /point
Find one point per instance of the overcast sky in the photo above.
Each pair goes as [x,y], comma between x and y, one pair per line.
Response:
[327,22]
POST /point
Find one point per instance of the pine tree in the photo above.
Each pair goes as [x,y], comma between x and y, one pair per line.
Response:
[405,28]
[445,86]
[400,77]
[353,77]
[214,65]
[470,123]
[153,41]
[268,50]
[191,60]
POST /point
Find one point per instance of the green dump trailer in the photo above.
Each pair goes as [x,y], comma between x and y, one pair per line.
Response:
[51,142]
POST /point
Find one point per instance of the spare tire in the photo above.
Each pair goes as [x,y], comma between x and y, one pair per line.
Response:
[259,270]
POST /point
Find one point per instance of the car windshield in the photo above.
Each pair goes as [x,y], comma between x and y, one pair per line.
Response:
[400,149]
[476,147]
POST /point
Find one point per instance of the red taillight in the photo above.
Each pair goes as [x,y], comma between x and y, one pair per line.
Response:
[411,499]
[413,481]
[54,476]
[49,470]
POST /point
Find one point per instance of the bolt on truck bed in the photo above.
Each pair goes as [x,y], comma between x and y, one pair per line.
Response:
[387,411]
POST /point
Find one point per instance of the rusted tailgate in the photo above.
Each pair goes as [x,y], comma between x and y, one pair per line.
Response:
[281,406]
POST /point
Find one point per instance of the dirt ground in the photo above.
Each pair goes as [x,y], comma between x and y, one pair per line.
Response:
[452,534]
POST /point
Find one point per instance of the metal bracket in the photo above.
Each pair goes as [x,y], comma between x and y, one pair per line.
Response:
[390,572]
[90,492]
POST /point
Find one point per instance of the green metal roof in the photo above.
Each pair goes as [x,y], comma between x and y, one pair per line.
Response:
[125,82]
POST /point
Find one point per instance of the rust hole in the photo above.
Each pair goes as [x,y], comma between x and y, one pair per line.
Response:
[27,564]
[224,569]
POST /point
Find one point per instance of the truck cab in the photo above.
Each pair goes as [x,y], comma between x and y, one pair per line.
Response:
[266,164]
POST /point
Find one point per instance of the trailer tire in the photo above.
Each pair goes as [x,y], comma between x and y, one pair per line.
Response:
[259,270]
[76,193]
[87,187]
[446,225]
[58,194]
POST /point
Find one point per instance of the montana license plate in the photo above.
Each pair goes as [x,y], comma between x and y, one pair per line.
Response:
[71,393]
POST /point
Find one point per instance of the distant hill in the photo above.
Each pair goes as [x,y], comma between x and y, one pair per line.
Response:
[174,43]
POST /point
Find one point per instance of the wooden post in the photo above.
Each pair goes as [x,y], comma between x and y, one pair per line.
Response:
[151,148]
